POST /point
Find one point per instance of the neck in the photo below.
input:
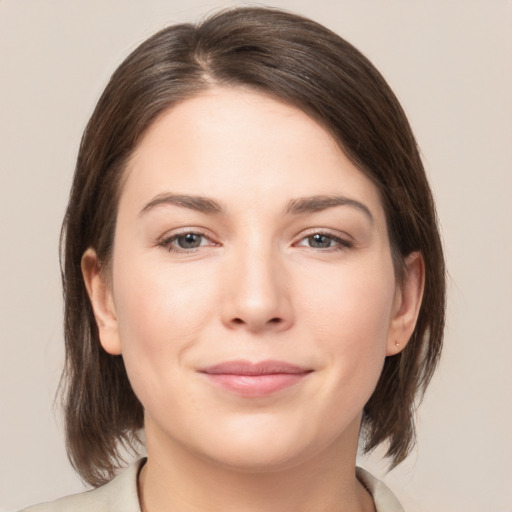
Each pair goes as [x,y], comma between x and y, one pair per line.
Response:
[177,479]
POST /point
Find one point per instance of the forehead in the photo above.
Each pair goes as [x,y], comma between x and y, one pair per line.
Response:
[242,146]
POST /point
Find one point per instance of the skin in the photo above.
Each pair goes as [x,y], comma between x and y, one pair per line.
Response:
[258,286]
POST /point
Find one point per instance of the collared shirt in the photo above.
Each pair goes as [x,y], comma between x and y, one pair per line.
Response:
[120,495]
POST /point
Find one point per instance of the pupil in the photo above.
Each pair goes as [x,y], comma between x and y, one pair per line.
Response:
[320,241]
[189,241]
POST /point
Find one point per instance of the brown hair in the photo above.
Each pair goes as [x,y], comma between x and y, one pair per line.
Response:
[298,61]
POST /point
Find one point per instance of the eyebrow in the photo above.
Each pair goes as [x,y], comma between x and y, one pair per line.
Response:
[198,203]
[313,204]
[310,204]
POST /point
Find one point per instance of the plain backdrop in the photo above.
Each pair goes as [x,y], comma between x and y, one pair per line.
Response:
[450,64]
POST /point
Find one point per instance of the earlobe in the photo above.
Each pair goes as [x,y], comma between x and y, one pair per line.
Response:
[100,295]
[407,304]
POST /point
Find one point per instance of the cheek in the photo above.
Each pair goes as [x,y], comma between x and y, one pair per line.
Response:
[351,301]
[160,311]
[350,315]
[150,293]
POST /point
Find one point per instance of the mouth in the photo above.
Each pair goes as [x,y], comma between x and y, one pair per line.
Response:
[255,379]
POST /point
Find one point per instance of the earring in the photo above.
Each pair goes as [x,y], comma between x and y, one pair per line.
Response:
[397,343]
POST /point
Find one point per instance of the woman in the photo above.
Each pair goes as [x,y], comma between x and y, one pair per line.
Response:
[252,273]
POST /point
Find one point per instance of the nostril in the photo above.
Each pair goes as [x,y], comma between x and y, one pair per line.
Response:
[275,320]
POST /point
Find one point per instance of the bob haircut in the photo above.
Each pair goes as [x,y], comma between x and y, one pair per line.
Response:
[300,62]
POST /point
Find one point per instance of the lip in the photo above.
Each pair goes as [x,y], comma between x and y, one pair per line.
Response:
[255,379]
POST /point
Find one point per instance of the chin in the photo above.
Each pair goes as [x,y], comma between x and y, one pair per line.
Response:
[257,458]
[268,446]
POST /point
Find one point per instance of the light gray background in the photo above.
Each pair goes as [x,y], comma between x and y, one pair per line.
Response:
[450,63]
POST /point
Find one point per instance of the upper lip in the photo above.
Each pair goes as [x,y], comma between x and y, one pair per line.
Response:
[242,367]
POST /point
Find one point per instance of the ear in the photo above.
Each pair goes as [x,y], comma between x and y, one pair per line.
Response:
[406,305]
[100,295]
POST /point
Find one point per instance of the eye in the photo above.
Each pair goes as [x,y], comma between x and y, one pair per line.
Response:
[183,242]
[324,241]
[189,240]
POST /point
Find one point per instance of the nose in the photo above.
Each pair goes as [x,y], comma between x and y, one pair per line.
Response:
[257,292]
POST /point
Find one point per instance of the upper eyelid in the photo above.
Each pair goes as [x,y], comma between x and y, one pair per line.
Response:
[169,238]
[185,231]
[339,240]
[168,242]
[332,233]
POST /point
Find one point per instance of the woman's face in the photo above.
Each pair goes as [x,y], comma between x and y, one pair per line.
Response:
[252,293]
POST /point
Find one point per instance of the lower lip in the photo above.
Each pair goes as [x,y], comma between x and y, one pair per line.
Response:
[256,385]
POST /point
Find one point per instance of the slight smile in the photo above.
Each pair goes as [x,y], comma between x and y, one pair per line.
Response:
[255,379]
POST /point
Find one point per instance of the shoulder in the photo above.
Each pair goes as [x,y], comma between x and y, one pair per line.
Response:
[118,495]
[384,499]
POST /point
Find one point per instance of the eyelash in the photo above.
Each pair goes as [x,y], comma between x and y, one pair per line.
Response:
[168,243]
[337,243]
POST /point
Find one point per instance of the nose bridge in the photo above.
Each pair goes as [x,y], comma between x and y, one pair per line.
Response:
[258,295]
